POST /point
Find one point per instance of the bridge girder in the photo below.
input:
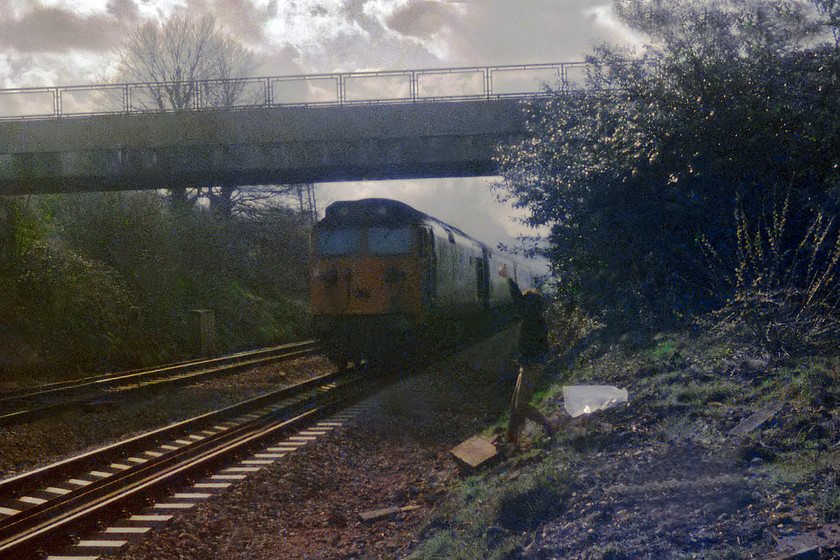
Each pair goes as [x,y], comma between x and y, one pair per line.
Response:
[255,146]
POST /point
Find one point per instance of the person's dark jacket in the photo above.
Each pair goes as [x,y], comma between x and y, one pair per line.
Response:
[533,334]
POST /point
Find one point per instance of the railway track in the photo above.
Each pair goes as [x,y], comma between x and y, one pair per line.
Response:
[43,509]
[24,405]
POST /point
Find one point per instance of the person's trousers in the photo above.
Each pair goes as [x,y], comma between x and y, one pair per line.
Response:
[520,407]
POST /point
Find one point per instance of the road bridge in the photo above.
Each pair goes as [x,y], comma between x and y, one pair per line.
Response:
[297,129]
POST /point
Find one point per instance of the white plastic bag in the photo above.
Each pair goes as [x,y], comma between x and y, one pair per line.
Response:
[585,399]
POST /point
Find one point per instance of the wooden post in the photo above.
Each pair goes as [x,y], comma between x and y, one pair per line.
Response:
[204,332]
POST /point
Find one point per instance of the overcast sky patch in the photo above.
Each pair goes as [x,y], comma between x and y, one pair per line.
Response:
[327,35]
[55,30]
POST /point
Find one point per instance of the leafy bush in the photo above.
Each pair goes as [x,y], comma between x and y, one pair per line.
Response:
[244,319]
[104,280]
[568,322]
[633,173]
[77,313]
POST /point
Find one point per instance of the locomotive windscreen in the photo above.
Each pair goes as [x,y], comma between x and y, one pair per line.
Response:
[337,242]
[389,241]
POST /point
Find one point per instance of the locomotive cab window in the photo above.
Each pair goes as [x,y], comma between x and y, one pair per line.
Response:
[336,242]
[389,241]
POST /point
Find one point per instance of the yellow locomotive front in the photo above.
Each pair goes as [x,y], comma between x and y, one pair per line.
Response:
[367,275]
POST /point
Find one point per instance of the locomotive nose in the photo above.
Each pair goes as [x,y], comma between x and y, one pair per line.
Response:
[329,278]
[394,275]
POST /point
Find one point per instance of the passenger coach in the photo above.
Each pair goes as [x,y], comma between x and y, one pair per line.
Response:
[384,274]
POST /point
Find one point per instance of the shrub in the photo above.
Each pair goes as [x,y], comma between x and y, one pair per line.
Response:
[783,278]
[77,312]
[250,269]
[245,319]
[102,280]
[630,174]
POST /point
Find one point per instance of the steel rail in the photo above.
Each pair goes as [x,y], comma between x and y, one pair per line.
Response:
[113,377]
[13,486]
[84,508]
[25,405]
[31,529]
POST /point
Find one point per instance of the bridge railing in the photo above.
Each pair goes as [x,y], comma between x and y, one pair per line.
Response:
[344,88]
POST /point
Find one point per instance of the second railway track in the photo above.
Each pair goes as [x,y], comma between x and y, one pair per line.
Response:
[42,508]
[24,405]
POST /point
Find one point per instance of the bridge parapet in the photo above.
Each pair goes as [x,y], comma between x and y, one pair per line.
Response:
[346,88]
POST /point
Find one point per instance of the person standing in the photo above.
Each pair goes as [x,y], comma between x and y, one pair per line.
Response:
[531,354]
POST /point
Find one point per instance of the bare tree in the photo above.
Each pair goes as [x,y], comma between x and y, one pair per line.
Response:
[185,64]
[225,200]
[306,200]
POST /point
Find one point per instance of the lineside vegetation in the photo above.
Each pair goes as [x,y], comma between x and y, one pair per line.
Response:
[698,172]
[104,281]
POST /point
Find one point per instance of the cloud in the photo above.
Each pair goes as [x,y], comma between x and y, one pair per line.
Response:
[243,19]
[280,61]
[55,30]
[504,32]
[498,32]
[420,19]
[343,35]
[312,36]
[123,10]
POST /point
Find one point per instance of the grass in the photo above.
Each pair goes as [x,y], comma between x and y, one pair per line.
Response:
[830,503]
[491,512]
[537,497]
[663,351]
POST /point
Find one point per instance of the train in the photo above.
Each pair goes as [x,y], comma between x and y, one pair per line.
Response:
[386,278]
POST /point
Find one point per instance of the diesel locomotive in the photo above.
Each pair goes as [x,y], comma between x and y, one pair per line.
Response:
[384,276]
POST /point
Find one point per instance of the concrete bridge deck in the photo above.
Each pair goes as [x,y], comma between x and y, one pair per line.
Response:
[255,146]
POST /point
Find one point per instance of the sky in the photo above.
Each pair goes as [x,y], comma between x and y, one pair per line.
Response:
[71,42]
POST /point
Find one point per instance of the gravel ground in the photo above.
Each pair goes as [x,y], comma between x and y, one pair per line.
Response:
[660,477]
[668,475]
[67,433]
[395,452]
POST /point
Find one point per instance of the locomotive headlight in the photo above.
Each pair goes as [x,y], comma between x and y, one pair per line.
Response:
[394,275]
